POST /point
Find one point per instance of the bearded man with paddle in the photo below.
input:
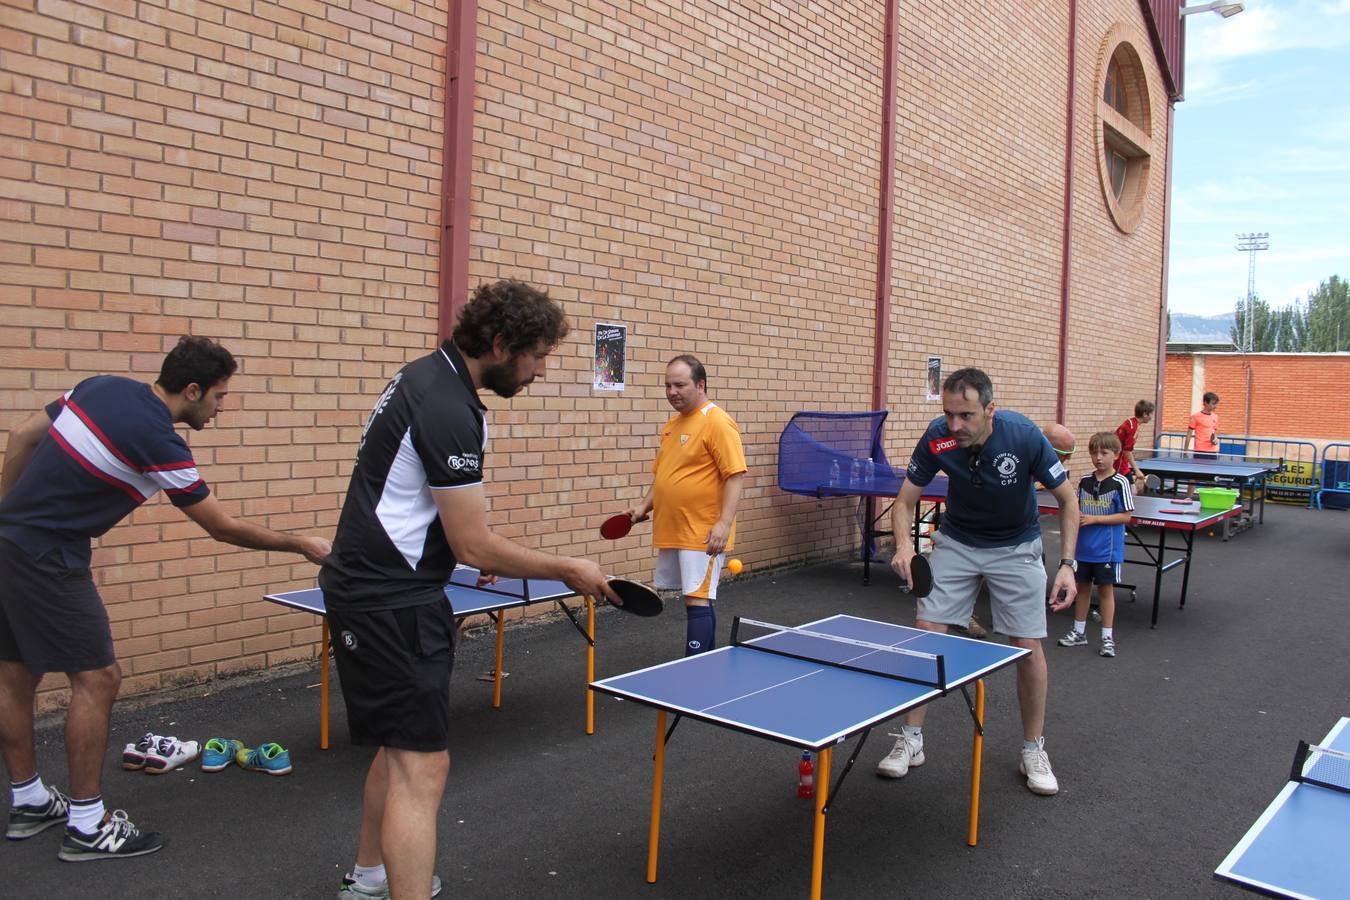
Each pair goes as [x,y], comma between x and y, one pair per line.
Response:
[415,508]
[699,471]
[990,532]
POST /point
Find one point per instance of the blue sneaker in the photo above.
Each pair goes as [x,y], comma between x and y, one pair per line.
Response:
[271,758]
[219,753]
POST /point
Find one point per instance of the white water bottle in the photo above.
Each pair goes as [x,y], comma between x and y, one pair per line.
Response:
[869,473]
[834,473]
[855,474]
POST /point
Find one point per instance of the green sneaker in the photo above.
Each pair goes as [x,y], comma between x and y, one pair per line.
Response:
[219,753]
[271,758]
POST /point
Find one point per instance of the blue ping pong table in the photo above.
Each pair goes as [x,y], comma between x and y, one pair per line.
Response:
[1297,848]
[812,703]
[466,598]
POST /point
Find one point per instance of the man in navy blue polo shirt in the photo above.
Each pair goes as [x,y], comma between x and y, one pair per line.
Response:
[72,471]
[990,533]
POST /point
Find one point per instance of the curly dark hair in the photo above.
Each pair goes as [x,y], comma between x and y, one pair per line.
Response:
[195,360]
[523,315]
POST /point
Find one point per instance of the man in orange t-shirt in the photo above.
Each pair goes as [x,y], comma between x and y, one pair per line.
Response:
[1204,426]
[699,472]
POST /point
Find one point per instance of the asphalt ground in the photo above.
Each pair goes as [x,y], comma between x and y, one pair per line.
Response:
[1165,756]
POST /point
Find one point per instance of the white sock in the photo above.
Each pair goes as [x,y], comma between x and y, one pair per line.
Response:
[86,815]
[913,734]
[30,793]
[1108,633]
[370,876]
[1033,745]
[1080,627]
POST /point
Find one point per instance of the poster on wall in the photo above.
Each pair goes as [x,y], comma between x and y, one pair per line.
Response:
[610,347]
[934,378]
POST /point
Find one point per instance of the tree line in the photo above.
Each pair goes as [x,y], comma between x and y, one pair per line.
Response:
[1321,325]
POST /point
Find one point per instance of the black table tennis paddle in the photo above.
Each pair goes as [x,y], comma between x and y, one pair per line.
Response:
[616,527]
[920,576]
[637,598]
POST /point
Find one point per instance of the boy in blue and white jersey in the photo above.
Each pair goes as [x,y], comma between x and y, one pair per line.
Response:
[1105,503]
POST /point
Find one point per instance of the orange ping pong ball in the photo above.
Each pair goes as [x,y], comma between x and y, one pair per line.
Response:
[734,566]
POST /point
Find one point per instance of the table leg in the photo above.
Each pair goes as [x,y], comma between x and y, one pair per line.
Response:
[823,759]
[1188,538]
[590,664]
[497,667]
[324,653]
[976,758]
[1158,574]
[658,773]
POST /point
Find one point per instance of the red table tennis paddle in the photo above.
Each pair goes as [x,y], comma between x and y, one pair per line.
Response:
[920,576]
[616,527]
[1180,511]
[637,598]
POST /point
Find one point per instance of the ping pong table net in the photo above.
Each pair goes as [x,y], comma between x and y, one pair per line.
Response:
[837,651]
[829,449]
[1321,766]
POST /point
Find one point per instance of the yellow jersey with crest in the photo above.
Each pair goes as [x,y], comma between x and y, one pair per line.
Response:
[699,452]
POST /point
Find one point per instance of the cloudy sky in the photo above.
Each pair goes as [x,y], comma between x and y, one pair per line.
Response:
[1262,143]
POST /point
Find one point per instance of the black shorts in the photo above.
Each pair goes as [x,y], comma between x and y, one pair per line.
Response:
[394,666]
[1098,572]
[51,616]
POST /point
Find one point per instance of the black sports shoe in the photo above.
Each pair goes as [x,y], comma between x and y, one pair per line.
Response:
[26,821]
[115,838]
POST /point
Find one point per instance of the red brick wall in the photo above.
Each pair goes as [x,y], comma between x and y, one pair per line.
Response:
[704,173]
[1299,396]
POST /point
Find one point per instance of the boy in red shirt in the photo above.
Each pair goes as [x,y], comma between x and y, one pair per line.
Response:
[1128,432]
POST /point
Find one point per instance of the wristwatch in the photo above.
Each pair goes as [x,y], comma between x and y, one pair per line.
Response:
[1071,563]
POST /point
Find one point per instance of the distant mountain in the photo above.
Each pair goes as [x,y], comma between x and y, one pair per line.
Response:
[1201,329]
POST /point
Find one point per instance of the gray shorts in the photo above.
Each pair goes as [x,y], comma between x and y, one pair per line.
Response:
[1016,579]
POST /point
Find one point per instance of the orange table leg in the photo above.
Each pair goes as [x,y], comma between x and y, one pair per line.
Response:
[324,653]
[976,754]
[497,669]
[590,664]
[658,774]
[823,759]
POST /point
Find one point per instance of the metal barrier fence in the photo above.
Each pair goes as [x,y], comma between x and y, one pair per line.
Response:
[1335,478]
[1300,480]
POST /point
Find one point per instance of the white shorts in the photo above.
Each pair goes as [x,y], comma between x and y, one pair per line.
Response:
[691,572]
[1016,579]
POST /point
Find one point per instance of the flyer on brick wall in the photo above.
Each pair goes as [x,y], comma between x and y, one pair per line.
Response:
[610,347]
[934,378]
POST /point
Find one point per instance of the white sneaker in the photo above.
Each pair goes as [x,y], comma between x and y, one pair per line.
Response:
[1035,765]
[907,752]
[169,754]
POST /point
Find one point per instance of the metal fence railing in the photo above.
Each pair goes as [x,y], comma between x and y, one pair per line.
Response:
[1297,482]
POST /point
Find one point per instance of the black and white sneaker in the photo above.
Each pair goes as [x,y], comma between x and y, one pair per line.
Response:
[116,838]
[26,821]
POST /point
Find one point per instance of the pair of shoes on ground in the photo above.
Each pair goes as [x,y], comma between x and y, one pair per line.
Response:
[352,888]
[1075,639]
[1034,764]
[156,754]
[115,838]
[271,757]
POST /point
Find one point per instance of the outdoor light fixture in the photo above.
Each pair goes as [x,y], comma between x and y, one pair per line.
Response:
[1220,7]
